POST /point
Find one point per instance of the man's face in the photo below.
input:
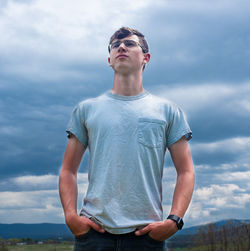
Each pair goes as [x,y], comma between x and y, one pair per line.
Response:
[126,59]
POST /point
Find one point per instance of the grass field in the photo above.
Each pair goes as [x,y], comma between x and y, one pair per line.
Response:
[42,247]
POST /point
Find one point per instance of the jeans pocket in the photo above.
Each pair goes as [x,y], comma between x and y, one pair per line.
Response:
[152,239]
[83,236]
[151,132]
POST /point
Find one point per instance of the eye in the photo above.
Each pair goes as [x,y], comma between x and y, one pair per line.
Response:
[115,44]
[130,43]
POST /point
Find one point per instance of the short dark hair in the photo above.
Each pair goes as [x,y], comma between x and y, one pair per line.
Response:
[126,32]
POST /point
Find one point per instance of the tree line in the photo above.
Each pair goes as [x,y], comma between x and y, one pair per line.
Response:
[228,237]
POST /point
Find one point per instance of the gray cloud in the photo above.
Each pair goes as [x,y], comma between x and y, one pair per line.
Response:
[198,43]
[50,59]
[215,111]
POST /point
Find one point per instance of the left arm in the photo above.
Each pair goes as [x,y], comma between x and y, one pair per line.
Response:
[181,156]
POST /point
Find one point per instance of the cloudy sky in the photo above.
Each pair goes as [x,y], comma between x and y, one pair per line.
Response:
[53,54]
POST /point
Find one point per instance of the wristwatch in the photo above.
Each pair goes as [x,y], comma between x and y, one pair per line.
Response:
[179,222]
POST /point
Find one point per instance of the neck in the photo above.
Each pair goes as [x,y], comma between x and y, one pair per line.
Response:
[127,85]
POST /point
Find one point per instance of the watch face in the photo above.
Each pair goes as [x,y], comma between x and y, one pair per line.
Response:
[179,222]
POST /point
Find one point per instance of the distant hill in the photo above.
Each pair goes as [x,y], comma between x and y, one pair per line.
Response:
[60,231]
[41,231]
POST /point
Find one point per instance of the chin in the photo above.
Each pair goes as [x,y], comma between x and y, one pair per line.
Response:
[122,69]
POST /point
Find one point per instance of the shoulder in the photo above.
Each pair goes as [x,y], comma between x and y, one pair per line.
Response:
[90,101]
[172,111]
[165,102]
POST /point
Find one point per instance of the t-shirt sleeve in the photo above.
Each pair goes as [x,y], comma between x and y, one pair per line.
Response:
[178,127]
[77,126]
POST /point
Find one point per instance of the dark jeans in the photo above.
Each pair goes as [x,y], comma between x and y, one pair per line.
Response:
[94,241]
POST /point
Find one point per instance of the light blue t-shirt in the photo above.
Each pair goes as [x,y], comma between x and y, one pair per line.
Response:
[127,137]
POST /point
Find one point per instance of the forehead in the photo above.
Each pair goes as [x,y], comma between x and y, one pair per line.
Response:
[132,37]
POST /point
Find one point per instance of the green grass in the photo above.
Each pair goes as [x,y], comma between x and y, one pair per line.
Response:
[42,247]
[201,248]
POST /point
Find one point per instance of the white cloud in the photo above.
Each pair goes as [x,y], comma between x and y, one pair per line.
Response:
[217,202]
[34,180]
[35,205]
[207,193]
[33,183]
[197,211]
[29,183]
[28,199]
[68,30]
[43,205]
[49,214]
[222,196]
[240,201]
[42,38]
[199,97]
[234,176]
[233,145]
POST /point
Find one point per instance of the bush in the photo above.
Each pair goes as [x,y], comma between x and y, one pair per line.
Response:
[4,249]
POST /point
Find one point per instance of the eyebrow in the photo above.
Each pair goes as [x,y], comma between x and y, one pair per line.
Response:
[123,39]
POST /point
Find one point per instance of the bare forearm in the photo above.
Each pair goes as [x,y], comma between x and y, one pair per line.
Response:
[68,189]
[68,192]
[163,230]
[183,193]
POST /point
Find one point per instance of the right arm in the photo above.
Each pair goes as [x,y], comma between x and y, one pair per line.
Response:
[68,188]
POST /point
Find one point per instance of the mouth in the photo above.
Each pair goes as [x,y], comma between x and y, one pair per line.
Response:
[122,56]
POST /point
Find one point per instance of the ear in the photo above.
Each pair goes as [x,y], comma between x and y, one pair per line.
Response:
[146,58]
[109,61]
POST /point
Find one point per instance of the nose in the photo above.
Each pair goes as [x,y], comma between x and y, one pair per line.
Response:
[122,47]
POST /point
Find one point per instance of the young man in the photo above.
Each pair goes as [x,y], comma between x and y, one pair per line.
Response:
[127,131]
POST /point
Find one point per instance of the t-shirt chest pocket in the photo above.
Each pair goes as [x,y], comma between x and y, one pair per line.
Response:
[151,132]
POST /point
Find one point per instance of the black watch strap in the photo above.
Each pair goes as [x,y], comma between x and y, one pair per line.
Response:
[179,222]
